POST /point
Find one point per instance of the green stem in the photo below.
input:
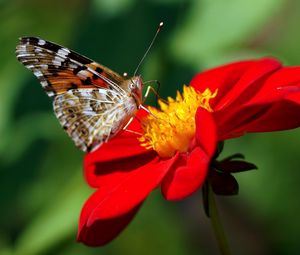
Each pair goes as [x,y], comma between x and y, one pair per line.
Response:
[216,223]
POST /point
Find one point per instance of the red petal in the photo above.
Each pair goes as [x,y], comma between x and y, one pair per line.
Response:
[102,231]
[186,175]
[249,84]
[222,77]
[113,208]
[234,79]
[206,133]
[120,155]
[108,174]
[294,97]
[135,124]
[259,99]
[279,85]
[229,122]
[113,201]
[116,148]
[280,115]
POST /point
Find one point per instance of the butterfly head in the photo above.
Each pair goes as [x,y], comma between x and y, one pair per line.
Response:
[135,87]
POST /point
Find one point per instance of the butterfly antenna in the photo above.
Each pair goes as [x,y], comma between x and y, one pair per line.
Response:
[153,40]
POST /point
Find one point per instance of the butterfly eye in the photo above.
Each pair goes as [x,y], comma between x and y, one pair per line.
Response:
[132,86]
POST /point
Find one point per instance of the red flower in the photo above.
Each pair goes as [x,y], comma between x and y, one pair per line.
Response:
[177,146]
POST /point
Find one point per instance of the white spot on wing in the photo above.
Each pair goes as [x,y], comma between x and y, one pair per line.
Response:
[25,54]
[83,74]
[41,42]
[44,84]
[50,93]
[44,66]
[57,60]
[22,47]
[72,65]
[38,73]
[85,93]
[63,52]
[38,50]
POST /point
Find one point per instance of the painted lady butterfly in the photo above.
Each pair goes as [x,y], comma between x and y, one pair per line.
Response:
[91,102]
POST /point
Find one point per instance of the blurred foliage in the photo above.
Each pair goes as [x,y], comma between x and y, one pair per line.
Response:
[42,188]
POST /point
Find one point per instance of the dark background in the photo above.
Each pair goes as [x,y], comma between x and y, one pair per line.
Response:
[42,188]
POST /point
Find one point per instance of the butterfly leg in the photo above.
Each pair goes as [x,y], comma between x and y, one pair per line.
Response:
[128,123]
[155,91]
[148,111]
[150,88]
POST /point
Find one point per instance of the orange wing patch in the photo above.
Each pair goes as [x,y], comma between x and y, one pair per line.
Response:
[60,69]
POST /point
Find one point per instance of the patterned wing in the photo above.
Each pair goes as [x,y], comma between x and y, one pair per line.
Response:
[89,100]
[60,69]
[92,116]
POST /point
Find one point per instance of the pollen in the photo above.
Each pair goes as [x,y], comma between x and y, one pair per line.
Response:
[172,128]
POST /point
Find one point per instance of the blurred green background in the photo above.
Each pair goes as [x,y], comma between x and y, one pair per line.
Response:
[41,185]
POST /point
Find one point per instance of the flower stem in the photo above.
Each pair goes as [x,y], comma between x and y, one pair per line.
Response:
[216,223]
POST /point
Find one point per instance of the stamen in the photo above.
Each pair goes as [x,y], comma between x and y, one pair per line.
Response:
[173,127]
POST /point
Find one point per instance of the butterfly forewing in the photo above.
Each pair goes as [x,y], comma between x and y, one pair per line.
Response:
[60,69]
[91,101]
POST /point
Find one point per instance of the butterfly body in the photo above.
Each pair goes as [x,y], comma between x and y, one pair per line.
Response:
[91,102]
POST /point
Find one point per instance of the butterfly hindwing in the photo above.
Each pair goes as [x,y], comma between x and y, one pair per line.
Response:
[92,116]
[60,69]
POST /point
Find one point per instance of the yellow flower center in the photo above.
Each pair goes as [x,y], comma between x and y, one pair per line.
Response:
[173,128]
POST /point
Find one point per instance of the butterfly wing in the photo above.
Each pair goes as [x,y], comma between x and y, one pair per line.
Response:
[60,69]
[89,100]
[92,116]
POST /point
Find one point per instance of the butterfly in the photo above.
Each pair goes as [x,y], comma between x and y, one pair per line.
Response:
[91,102]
